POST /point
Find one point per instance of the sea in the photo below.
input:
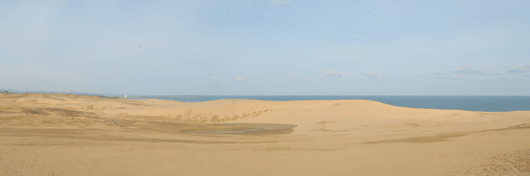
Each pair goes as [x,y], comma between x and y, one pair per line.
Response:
[469,103]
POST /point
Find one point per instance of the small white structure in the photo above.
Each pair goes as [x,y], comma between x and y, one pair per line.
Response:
[125,96]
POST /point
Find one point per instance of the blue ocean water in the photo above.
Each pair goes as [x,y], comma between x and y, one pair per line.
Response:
[470,103]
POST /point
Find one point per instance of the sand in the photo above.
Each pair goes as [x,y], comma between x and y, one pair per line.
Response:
[61,134]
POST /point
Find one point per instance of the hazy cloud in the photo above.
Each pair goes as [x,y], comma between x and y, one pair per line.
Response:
[486,80]
[335,73]
[469,70]
[240,79]
[280,2]
[520,68]
[442,77]
[215,78]
[372,75]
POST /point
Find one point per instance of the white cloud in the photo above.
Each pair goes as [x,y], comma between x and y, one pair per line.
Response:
[486,80]
[520,68]
[469,70]
[372,75]
[280,2]
[442,77]
[240,79]
[335,73]
[215,78]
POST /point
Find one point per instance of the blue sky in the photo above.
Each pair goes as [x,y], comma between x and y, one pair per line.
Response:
[267,47]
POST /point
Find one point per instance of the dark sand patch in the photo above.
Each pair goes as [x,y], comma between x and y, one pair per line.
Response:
[508,164]
[243,128]
[443,137]
[423,139]
[208,128]
[97,138]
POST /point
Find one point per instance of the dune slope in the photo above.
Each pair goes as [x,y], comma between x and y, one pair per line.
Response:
[60,134]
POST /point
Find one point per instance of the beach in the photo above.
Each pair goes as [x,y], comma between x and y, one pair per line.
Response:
[65,134]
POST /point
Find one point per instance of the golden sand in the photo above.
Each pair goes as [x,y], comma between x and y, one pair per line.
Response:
[60,134]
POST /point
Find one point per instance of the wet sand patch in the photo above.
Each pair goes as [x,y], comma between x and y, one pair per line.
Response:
[423,139]
[208,128]
[246,128]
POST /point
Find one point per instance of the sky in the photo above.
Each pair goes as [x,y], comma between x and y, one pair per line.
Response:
[267,47]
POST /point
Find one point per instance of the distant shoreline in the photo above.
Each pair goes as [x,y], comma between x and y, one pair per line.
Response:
[468,103]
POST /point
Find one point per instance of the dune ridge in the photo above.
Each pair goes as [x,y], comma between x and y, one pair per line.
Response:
[342,130]
[309,116]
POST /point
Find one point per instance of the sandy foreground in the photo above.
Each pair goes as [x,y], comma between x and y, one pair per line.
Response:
[60,134]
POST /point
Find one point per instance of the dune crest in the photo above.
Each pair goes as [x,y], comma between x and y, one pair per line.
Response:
[249,137]
[354,117]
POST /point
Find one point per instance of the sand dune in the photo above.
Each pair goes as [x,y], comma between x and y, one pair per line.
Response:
[60,134]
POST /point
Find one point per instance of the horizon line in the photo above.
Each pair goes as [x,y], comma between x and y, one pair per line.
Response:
[150,95]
